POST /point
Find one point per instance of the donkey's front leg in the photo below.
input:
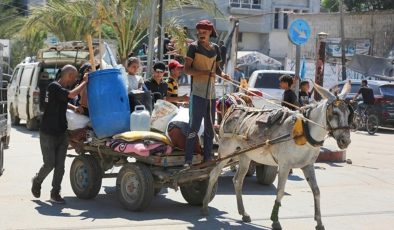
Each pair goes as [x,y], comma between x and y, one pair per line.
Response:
[309,172]
[282,178]
[238,181]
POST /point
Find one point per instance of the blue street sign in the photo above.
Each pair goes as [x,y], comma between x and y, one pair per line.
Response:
[299,32]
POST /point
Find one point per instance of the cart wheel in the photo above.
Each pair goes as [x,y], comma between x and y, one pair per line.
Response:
[86,176]
[194,192]
[134,186]
[266,174]
[1,157]
[372,124]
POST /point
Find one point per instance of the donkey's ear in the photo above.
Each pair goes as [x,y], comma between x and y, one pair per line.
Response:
[324,92]
[345,90]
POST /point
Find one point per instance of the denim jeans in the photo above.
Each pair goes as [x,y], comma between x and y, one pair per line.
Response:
[54,149]
[200,108]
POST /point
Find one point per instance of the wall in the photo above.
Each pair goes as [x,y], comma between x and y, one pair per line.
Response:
[377,26]
[253,41]
[278,43]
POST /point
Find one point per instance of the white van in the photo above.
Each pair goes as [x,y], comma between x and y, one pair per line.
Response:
[29,81]
[265,83]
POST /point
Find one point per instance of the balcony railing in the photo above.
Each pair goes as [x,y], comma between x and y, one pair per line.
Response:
[246,4]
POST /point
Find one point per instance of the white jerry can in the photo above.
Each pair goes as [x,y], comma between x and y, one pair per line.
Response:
[140,119]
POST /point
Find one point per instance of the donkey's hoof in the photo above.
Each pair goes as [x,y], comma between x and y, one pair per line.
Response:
[246,219]
[320,227]
[276,226]
[204,212]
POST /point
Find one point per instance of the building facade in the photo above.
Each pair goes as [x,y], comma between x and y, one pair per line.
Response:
[263,23]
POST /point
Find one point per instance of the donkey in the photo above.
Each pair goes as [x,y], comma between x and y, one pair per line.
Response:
[329,116]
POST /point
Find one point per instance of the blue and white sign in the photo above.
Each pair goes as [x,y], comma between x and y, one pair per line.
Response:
[299,32]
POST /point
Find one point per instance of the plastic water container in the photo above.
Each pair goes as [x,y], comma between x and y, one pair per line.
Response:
[140,119]
[108,103]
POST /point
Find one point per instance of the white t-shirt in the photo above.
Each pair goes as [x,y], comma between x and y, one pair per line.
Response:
[133,82]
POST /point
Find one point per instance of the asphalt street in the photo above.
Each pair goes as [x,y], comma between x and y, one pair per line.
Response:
[353,196]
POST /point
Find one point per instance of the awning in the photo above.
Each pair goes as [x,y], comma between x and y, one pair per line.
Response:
[248,58]
[372,66]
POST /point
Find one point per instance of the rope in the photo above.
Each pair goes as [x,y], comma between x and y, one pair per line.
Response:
[237,84]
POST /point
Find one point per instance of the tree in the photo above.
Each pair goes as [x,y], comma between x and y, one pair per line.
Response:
[358,5]
[124,20]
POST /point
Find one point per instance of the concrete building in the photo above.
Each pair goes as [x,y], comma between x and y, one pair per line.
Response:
[377,27]
[263,23]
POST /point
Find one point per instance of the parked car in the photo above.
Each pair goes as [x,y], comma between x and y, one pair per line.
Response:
[26,93]
[384,98]
[266,83]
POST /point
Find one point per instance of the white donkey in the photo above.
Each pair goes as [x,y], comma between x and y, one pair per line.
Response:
[332,116]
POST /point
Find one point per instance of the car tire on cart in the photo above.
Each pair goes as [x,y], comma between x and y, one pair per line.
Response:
[266,174]
[134,186]
[86,176]
[194,192]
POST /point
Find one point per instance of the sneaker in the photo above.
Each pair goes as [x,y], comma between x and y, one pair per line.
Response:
[187,165]
[56,198]
[35,189]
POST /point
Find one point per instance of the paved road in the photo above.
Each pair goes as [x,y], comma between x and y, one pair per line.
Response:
[358,196]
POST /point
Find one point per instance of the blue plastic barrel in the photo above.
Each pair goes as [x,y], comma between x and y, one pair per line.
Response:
[109,108]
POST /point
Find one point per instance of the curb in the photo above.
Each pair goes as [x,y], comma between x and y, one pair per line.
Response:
[331,155]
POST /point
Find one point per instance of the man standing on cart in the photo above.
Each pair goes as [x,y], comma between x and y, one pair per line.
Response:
[203,64]
[53,135]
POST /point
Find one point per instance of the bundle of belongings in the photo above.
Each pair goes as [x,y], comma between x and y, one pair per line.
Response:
[225,102]
[174,122]
[142,143]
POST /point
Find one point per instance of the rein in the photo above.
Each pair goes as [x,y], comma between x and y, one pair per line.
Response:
[328,127]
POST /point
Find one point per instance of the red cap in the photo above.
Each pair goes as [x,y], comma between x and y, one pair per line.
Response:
[174,64]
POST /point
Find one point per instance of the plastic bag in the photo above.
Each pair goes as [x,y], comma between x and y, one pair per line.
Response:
[76,120]
[162,113]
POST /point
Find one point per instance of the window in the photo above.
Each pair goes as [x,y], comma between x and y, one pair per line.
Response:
[235,3]
[240,35]
[276,19]
[27,76]
[268,80]
[246,4]
[285,20]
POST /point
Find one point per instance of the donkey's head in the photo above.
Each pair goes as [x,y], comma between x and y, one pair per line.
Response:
[338,116]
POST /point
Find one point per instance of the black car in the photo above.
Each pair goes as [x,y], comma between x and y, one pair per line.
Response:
[384,98]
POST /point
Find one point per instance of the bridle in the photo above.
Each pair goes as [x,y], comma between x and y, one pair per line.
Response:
[330,107]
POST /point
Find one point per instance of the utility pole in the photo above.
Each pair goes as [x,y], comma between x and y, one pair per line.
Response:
[297,70]
[320,59]
[151,48]
[343,42]
[160,47]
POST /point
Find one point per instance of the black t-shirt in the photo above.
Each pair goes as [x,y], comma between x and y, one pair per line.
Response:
[290,97]
[367,94]
[303,98]
[161,88]
[54,120]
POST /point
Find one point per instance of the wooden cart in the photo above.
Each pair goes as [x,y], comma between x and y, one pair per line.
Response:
[141,178]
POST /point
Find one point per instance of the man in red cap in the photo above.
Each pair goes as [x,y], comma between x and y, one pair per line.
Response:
[202,63]
[176,70]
